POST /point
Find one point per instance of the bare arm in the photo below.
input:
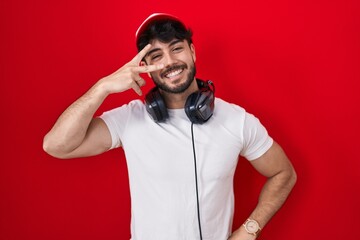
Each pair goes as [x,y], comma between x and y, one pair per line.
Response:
[76,133]
[281,175]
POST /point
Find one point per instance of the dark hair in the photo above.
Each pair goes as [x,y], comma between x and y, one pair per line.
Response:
[164,31]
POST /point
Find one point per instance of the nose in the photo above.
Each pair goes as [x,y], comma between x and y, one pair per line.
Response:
[168,59]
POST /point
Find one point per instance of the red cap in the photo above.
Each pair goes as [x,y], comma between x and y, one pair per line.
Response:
[154,17]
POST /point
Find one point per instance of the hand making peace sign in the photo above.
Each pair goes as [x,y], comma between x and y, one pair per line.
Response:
[128,76]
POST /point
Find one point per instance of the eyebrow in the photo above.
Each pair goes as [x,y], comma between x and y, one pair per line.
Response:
[175,42]
[158,49]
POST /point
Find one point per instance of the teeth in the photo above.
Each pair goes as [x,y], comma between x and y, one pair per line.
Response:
[174,73]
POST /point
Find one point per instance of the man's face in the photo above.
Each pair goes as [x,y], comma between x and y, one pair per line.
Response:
[178,58]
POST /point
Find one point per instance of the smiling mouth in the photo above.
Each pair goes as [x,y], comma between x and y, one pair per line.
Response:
[173,72]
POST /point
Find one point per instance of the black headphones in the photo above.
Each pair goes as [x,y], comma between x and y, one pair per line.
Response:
[199,106]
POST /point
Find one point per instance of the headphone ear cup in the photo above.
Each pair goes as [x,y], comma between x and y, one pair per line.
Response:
[190,106]
[155,106]
[199,106]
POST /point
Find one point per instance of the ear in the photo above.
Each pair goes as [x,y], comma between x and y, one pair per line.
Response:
[192,49]
[143,63]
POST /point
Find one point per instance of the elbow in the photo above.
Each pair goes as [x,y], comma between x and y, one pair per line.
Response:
[54,149]
[292,178]
[47,147]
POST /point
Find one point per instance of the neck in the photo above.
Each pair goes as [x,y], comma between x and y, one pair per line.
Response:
[177,100]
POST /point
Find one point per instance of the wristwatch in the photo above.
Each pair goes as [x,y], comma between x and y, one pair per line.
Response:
[252,227]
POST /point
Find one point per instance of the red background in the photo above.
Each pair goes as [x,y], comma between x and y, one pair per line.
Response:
[294,64]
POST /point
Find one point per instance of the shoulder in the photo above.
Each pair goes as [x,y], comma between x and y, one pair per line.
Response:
[122,114]
[226,109]
[133,105]
[236,117]
[231,110]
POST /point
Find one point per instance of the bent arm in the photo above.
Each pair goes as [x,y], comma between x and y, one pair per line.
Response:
[76,133]
[281,178]
[281,175]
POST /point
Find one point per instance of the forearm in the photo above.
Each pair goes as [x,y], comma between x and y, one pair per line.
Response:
[273,195]
[70,129]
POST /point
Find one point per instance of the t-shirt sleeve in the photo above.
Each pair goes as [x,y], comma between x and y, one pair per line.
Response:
[116,120]
[256,138]
[111,124]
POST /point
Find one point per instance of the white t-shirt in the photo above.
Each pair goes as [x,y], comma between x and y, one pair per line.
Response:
[160,162]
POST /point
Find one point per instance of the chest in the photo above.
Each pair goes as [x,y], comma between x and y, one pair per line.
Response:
[166,151]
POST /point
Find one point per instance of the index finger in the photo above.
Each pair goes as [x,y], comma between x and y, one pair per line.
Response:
[141,54]
[148,68]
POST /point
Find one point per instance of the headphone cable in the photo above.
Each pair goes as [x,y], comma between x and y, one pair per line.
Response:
[196,180]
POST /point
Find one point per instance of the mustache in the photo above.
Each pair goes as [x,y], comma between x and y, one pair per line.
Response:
[173,68]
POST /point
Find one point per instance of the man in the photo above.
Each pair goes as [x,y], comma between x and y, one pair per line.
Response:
[181,146]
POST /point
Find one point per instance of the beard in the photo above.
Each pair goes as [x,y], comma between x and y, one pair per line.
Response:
[179,88]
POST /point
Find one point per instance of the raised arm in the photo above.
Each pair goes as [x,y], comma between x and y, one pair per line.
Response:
[281,178]
[77,133]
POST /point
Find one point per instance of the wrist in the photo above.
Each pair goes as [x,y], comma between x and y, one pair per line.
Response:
[101,88]
[252,227]
[241,234]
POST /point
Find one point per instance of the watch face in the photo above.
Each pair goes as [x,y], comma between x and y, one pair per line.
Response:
[252,226]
